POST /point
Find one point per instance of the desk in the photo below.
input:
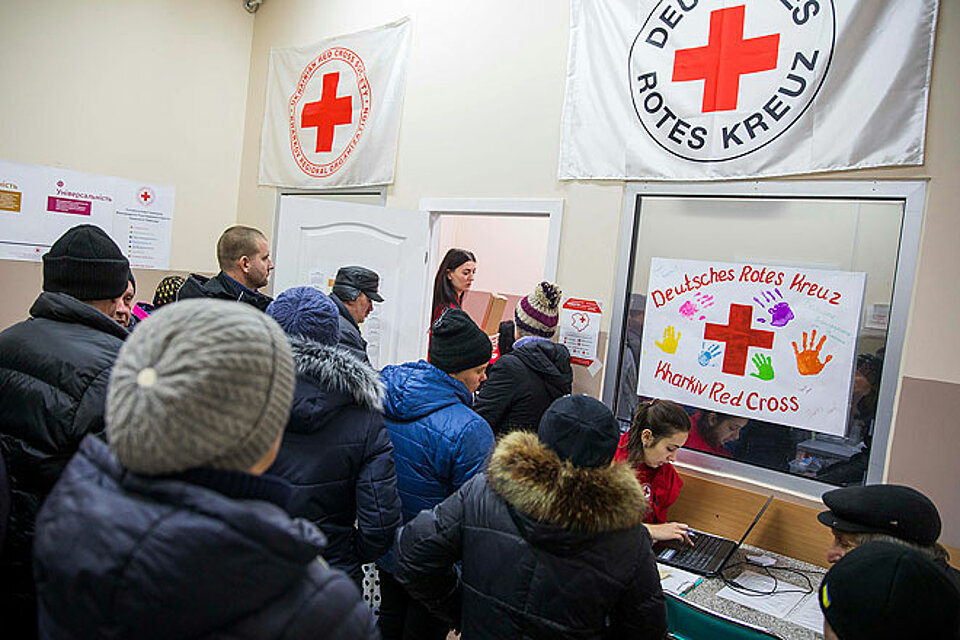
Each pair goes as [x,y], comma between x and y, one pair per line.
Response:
[705,594]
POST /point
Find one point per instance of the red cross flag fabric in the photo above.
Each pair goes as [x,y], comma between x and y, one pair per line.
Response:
[717,89]
[332,114]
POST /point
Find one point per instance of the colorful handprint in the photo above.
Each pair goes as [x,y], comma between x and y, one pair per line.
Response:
[764,365]
[779,310]
[691,308]
[808,360]
[708,356]
[671,339]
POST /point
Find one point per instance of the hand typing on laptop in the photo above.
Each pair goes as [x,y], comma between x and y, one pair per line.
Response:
[671,531]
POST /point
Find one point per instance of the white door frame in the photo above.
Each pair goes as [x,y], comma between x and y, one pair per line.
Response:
[521,207]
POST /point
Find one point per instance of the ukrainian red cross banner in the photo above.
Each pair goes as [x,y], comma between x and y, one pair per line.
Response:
[757,341]
[716,89]
[332,113]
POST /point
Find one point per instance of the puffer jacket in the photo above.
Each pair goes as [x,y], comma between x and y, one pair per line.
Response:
[124,555]
[337,454]
[438,441]
[548,550]
[522,384]
[221,287]
[54,370]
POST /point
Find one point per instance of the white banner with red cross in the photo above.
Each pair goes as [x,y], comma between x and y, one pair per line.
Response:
[332,115]
[758,341]
[716,89]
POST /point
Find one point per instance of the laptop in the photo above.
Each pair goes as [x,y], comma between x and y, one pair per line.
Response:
[708,554]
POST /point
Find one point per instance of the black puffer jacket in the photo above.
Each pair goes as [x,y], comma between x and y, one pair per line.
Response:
[338,455]
[548,551]
[124,555]
[522,384]
[54,370]
[221,287]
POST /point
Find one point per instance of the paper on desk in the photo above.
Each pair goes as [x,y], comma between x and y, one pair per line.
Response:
[778,605]
[807,614]
[676,581]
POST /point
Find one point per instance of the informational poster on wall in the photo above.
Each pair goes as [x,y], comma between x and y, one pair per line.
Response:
[756,341]
[37,204]
[580,329]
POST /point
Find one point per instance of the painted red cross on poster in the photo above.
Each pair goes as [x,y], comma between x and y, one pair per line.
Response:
[329,112]
[739,337]
[725,58]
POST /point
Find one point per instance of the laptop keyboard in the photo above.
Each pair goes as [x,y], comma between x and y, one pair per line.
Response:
[701,554]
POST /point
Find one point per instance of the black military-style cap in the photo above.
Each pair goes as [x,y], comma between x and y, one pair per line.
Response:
[892,509]
[358,279]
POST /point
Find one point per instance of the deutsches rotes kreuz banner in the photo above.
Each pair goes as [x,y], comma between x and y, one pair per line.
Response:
[332,113]
[715,89]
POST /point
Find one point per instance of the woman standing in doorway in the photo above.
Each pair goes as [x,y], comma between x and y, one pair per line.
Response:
[454,277]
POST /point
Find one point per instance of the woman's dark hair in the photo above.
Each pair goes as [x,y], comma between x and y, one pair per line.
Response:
[663,417]
[444,294]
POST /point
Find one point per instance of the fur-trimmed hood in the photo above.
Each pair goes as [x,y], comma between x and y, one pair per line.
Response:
[338,371]
[533,480]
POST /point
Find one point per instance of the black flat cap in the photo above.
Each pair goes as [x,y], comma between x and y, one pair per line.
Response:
[892,509]
[357,280]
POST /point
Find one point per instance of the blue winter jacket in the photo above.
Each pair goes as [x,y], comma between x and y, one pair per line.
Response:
[124,555]
[439,442]
[337,454]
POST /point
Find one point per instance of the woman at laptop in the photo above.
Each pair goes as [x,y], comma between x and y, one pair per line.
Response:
[658,430]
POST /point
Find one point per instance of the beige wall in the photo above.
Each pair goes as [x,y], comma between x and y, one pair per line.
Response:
[151,90]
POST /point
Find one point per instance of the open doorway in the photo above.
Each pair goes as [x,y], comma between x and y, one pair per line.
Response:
[516,243]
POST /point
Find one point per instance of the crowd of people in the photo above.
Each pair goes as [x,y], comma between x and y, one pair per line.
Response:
[196,468]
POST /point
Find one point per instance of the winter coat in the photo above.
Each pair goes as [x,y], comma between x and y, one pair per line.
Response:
[522,384]
[350,338]
[548,550]
[337,454]
[54,370]
[221,287]
[124,555]
[438,441]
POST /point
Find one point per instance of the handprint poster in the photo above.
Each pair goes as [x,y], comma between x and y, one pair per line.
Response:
[772,343]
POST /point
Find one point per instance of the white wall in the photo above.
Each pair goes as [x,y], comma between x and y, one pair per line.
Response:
[152,90]
[511,250]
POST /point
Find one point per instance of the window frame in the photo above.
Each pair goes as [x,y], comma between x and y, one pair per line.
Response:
[912,193]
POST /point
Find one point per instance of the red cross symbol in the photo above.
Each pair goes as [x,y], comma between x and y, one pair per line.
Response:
[726,57]
[328,112]
[739,337]
[145,196]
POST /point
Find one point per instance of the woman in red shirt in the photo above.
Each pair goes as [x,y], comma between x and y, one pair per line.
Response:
[712,431]
[659,429]
[454,276]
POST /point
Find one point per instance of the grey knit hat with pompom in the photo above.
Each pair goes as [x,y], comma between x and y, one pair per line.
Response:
[200,383]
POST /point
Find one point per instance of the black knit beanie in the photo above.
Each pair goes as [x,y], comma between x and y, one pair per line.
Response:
[883,590]
[87,264]
[457,343]
[580,429]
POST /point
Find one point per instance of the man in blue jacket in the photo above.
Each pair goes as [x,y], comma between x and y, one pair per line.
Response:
[439,443]
[171,531]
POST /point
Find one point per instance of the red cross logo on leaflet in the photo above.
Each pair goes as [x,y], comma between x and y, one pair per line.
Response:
[739,337]
[328,112]
[726,57]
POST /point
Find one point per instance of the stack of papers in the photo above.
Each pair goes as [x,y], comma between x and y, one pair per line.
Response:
[677,581]
[799,608]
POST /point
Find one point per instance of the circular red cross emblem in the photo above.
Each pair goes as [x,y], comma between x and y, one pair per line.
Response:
[713,80]
[145,196]
[329,111]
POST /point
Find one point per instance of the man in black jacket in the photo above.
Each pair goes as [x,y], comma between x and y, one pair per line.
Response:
[245,265]
[354,292]
[522,384]
[54,369]
[551,539]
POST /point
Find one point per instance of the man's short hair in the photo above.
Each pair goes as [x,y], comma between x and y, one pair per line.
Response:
[236,242]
